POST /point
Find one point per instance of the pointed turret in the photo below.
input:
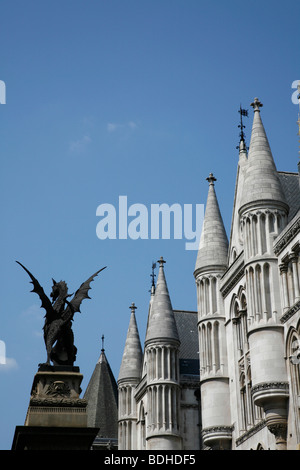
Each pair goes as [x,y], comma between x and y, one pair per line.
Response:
[162,364]
[235,246]
[102,398]
[161,323]
[129,376]
[261,178]
[131,366]
[213,247]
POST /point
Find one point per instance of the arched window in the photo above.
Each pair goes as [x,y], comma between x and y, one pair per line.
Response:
[209,346]
[271,223]
[267,292]
[258,289]
[206,296]
[243,402]
[216,346]
[293,355]
[213,287]
[142,423]
[263,233]
[254,235]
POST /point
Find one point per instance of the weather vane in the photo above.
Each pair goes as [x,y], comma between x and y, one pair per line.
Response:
[243,112]
[152,275]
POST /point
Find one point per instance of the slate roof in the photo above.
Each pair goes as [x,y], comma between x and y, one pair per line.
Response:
[102,397]
[290,186]
[186,322]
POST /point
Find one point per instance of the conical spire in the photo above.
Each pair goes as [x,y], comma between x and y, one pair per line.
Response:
[213,247]
[102,398]
[261,179]
[161,323]
[131,366]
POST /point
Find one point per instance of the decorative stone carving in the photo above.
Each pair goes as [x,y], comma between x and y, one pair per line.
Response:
[55,400]
[59,389]
[279,430]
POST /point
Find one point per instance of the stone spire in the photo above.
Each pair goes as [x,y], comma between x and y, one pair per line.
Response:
[261,178]
[213,247]
[131,366]
[161,323]
[102,397]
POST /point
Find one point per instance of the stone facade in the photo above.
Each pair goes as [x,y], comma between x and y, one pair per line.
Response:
[246,392]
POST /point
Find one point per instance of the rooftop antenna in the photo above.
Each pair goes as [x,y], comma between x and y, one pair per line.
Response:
[243,112]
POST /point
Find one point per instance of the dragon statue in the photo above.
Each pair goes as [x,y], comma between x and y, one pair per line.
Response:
[58,334]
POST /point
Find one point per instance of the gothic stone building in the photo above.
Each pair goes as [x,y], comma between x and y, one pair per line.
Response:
[227,376]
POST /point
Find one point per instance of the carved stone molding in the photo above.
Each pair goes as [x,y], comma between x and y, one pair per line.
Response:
[233,275]
[224,430]
[291,312]
[58,402]
[266,386]
[287,237]
[250,432]
[58,388]
[279,429]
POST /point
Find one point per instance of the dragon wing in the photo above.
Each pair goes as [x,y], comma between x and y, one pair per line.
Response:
[80,294]
[37,288]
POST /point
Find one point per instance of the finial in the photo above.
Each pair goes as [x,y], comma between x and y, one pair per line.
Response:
[133,307]
[102,343]
[161,262]
[211,179]
[256,104]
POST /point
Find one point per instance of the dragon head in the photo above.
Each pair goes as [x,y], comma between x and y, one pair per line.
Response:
[59,289]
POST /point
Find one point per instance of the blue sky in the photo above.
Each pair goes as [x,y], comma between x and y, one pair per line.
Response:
[122,97]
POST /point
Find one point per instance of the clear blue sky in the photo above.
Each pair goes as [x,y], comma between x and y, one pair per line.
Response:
[122,97]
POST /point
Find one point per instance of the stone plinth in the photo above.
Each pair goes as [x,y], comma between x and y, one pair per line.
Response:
[53,438]
[56,417]
[55,398]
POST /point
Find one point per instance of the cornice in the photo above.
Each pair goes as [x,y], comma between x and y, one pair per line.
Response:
[250,432]
[287,235]
[222,429]
[270,386]
[233,275]
[290,313]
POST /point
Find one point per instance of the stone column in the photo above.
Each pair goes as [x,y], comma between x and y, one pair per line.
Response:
[283,273]
[294,260]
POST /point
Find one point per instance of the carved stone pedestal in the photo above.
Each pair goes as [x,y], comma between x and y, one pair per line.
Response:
[273,397]
[56,416]
[55,398]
